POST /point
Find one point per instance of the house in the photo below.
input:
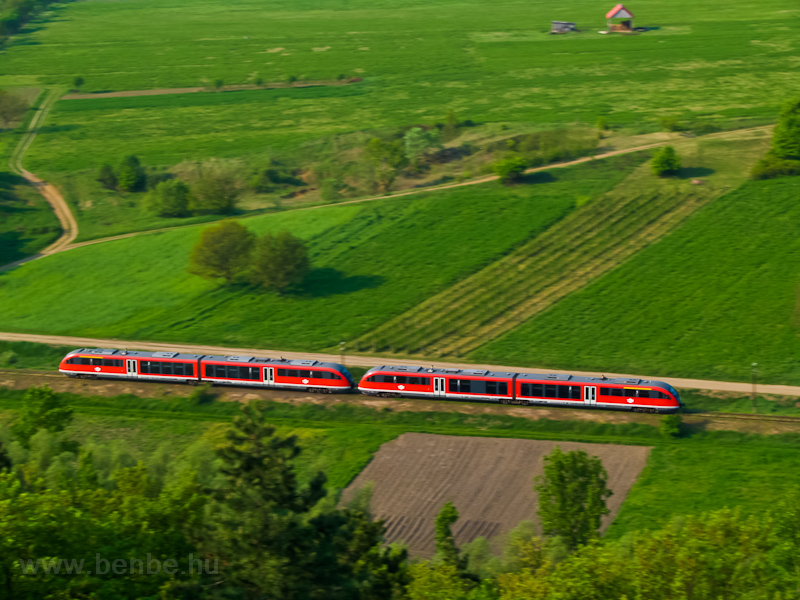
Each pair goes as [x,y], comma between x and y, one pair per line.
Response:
[619,19]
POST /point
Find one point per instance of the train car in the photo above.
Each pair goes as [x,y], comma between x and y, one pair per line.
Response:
[109,363]
[451,384]
[307,375]
[637,395]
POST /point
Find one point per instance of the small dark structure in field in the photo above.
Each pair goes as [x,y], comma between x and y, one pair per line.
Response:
[563,27]
[619,20]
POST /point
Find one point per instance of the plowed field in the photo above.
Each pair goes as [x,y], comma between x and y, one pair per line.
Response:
[490,481]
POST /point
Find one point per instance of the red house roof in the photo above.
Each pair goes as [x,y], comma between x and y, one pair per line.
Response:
[614,13]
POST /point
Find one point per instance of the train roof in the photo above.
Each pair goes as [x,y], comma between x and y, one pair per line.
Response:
[135,353]
[256,360]
[252,360]
[554,377]
[433,371]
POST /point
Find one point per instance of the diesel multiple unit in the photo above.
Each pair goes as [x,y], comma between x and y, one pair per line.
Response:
[639,395]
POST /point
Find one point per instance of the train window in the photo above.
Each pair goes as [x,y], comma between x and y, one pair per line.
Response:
[502,388]
[188,369]
[565,392]
[576,392]
[525,389]
[465,385]
[491,387]
[452,385]
[550,391]
[166,369]
[644,393]
[400,379]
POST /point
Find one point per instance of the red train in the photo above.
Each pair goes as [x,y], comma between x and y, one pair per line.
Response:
[308,375]
[638,395]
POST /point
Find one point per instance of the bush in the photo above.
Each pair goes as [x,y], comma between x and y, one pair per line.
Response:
[771,166]
[665,162]
[8,358]
[670,123]
[107,177]
[169,199]
[131,176]
[202,394]
[670,426]
[510,169]
[215,192]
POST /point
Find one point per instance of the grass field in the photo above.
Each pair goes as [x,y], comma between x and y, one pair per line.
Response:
[717,295]
[705,471]
[370,262]
[596,238]
[488,61]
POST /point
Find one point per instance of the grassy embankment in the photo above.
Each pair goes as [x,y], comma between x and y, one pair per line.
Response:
[370,262]
[596,238]
[717,295]
[704,471]
[418,61]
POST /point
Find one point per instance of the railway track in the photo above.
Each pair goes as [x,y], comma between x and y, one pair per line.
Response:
[745,417]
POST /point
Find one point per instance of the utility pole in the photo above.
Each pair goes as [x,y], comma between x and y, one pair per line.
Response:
[754,379]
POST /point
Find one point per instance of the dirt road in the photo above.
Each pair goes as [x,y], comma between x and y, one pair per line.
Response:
[69,227]
[371,361]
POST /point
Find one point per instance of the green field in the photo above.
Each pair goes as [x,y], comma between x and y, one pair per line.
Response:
[701,472]
[370,262]
[709,300]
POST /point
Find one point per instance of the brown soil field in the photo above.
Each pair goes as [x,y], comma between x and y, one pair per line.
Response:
[489,480]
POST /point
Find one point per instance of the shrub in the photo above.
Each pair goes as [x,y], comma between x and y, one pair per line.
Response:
[771,166]
[602,124]
[665,162]
[169,199]
[510,169]
[670,123]
[215,192]
[131,176]
[107,177]
[202,394]
[329,189]
[8,358]
[670,426]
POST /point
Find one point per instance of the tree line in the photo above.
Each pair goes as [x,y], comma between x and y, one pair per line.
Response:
[205,190]
[14,14]
[239,510]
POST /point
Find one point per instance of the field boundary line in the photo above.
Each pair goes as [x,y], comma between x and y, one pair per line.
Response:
[722,135]
[366,360]
[69,226]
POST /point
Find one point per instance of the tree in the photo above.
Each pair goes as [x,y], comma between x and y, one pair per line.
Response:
[12,108]
[42,409]
[216,191]
[450,129]
[223,251]
[131,176]
[786,138]
[665,162]
[436,582]
[510,169]
[276,538]
[279,261]
[783,159]
[169,198]
[219,84]
[385,159]
[77,82]
[107,177]
[572,496]
[417,142]
[446,549]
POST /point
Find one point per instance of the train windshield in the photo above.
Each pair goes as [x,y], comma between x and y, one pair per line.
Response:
[673,391]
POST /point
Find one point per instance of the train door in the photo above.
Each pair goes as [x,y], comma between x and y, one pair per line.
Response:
[269,375]
[439,386]
[590,394]
[130,367]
